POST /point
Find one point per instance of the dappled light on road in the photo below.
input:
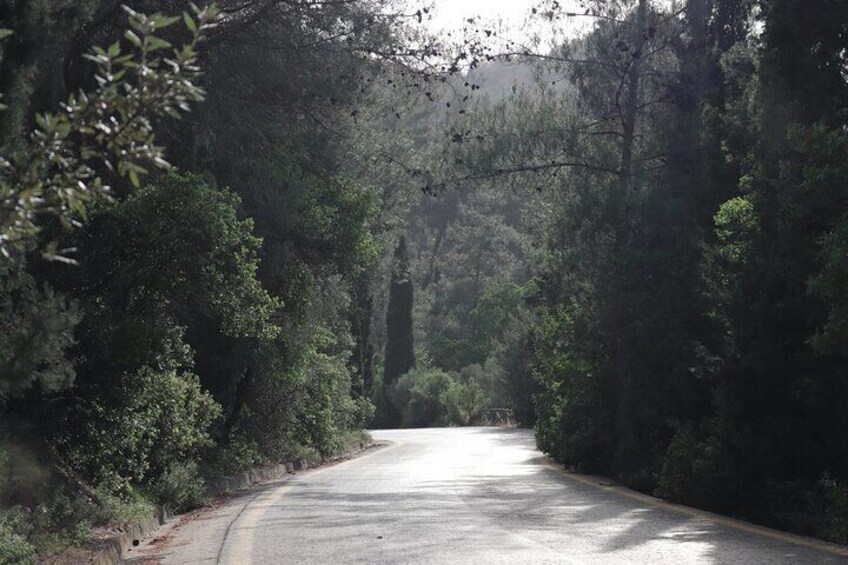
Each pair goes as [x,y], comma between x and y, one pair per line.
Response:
[478,495]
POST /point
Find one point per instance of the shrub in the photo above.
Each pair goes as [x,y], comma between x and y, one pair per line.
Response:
[361,412]
[463,403]
[696,470]
[835,515]
[417,397]
[180,487]
[569,408]
[36,328]
[237,454]
[148,421]
[14,547]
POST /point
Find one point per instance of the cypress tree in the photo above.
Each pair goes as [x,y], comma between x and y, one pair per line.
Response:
[400,356]
[363,350]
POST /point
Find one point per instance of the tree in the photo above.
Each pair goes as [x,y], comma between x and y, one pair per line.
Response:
[108,131]
[168,280]
[399,354]
[36,331]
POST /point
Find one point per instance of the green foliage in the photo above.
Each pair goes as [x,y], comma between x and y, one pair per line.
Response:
[835,515]
[14,547]
[472,249]
[237,454]
[61,518]
[690,329]
[684,332]
[569,403]
[155,356]
[361,413]
[428,396]
[328,409]
[298,399]
[463,403]
[495,306]
[44,507]
[179,246]
[32,58]
[336,211]
[36,330]
[417,397]
[314,219]
[145,423]
[820,172]
[514,386]
[110,127]
[170,263]
[400,355]
[180,487]
[736,226]
[830,285]
[697,470]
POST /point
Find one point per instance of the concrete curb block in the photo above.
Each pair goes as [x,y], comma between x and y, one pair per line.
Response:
[114,550]
[227,485]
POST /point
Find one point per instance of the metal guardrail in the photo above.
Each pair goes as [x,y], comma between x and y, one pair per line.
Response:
[497,417]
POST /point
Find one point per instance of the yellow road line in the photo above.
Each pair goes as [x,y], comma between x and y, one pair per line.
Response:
[763,531]
[239,547]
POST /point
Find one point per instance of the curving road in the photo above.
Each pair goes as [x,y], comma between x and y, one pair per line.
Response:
[466,496]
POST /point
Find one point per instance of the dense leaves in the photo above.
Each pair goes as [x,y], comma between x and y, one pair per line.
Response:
[689,330]
[36,330]
[400,356]
[109,128]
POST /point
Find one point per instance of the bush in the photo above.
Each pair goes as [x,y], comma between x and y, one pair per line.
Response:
[696,470]
[400,393]
[428,396]
[237,454]
[148,421]
[14,547]
[328,409]
[173,313]
[180,487]
[361,412]
[36,329]
[417,397]
[61,518]
[835,515]
[425,406]
[463,403]
[40,511]
[569,410]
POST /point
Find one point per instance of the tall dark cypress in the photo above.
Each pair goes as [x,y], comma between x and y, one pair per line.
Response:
[400,356]
[363,350]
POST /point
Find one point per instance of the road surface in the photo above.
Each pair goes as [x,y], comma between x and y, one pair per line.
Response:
[465,496]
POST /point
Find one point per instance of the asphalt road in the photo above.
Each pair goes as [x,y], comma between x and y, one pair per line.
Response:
[466,496]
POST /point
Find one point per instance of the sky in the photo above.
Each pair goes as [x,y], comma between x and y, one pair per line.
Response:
[451,15]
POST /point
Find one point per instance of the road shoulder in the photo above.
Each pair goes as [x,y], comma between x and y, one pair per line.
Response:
[201,536]
[605,484]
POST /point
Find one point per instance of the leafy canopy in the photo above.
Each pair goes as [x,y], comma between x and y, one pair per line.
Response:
[107,132]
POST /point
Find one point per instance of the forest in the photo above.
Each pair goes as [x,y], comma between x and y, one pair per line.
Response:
[241,233]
